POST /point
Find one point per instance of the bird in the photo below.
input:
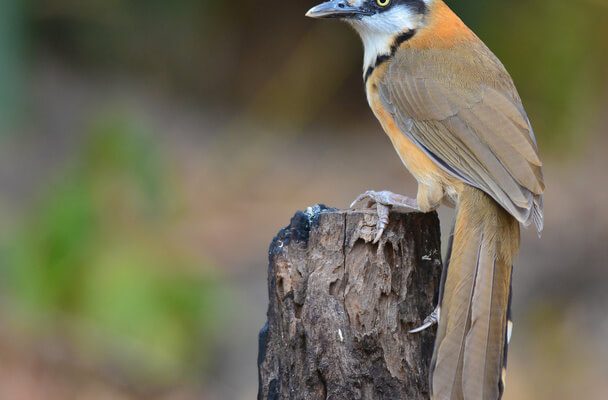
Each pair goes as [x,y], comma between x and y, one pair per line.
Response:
[457,122]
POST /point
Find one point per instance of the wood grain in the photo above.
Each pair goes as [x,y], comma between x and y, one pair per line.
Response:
[340,307]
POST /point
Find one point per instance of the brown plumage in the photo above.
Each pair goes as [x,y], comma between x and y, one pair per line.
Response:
[457,122]
[448,96]
[469,349]
[460,107]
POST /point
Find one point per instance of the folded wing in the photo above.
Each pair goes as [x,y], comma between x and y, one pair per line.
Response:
[474,128]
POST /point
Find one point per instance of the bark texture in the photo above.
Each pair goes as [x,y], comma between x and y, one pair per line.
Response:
[340,307]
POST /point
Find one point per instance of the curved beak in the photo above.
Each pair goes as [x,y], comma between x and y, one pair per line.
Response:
[336,9]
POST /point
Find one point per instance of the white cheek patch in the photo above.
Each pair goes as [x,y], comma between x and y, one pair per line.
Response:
[394,20]
[379,30]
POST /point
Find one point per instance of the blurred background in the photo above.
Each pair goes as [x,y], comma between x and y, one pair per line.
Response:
[150,150]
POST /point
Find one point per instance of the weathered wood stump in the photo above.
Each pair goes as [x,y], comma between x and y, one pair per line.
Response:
[341,307]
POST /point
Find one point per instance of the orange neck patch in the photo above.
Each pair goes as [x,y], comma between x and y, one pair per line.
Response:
[444,29]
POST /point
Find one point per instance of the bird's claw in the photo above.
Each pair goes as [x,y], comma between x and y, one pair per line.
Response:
[429,321]
[383,211]
[384,201]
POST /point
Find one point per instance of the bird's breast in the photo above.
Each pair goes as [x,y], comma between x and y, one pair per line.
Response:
[415,160]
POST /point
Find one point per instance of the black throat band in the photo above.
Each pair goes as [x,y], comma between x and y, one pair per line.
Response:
[403,37]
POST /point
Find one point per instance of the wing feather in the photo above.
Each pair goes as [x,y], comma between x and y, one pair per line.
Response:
[476,129]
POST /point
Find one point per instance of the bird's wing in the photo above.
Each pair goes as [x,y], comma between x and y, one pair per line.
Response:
[474,128]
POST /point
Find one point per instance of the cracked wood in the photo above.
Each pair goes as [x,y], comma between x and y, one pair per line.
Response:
[340,307]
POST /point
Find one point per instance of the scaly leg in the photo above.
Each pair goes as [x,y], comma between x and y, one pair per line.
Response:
[384,202]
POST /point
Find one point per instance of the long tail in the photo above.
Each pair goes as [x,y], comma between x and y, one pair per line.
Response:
[469,360]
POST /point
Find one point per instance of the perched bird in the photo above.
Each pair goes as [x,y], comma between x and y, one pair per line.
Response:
[457,122]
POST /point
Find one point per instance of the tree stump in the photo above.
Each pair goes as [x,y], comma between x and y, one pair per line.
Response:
[340,307]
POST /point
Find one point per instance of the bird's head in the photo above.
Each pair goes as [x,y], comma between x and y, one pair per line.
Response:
[378,22]
[380,16]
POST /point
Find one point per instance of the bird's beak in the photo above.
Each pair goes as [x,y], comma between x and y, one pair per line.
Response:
[336,9]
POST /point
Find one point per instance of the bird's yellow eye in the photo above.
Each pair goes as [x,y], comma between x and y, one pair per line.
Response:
[383,3]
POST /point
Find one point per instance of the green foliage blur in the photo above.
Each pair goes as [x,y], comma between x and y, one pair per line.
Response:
[264,60]
[93,261]
[91,254]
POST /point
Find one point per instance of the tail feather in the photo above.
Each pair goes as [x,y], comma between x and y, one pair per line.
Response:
[485,341]
[508,332]
[457,297]
[470,348]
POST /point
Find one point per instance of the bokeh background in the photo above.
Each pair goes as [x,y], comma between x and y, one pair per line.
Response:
[150,150]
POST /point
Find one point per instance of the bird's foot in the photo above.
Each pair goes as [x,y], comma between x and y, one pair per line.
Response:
[385,201]
[429,321]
